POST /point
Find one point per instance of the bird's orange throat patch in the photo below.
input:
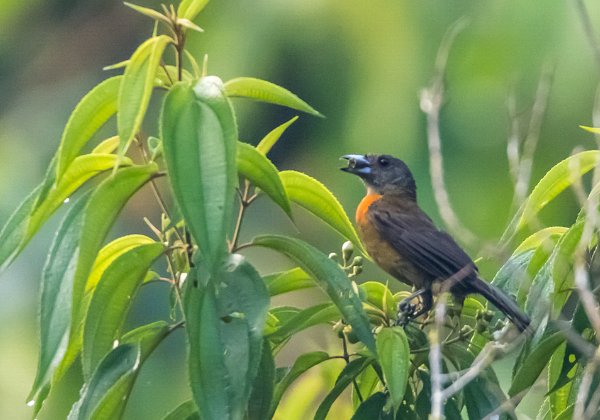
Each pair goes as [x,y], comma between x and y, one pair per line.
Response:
[363,207]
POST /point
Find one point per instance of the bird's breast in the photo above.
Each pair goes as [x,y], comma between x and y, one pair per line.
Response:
[386,256]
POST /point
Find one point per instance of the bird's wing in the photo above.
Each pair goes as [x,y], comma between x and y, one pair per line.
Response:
[417,239]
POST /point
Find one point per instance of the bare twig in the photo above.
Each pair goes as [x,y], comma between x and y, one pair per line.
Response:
[521,169]
[584,388]
[431,103]
[588,29]
[435,359]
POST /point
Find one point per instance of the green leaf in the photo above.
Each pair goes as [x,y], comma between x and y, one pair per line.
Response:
[372,408]
[553,283]
[268,141]
[394,358]
[136,88]
[533,365]
[185,411]
[151,13]
[315,315]
[378,295]
[107,146]
[259,405]
[110,252]
[562,266]
[288,281]
[105,395]
[367,383]
[167,76]
[105,204]
[225,337]
[330,277]
[303,363]
[103,207]
[89,115]
[317,199]
[189,9]
[541,237]
[557,179]
[13,232]
[111,301]
[199,136]
[259,170]
[81,169]
[208,375]
[348,374]
[263,91]
[148,336]
[56,297]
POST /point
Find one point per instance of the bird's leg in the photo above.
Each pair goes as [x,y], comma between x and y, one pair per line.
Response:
[408,310]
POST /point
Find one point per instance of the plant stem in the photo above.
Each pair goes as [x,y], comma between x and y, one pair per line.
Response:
[245,201]
[346,357]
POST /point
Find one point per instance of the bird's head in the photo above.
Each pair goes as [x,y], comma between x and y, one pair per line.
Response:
[382,173]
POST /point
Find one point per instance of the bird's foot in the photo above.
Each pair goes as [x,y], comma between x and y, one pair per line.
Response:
[407,311]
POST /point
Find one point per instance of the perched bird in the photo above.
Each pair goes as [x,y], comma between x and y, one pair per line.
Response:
[404,241]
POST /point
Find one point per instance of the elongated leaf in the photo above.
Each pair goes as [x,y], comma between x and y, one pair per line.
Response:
[330,278]
[268,141]
[111,302]
[56,296]
[535,362]
[151,13]
[13,232]
[259,170]
[562,267]
[378,295]
[107,146]
[89,115]
[394,358]
[366,384]
[372,408]
[225,337]
[259,404]
[136,88]
[559,177]
[105,395]
[199,136]
[263,91]
[301,365]
[288,281]
[315,315]
[317,199]
[79,171]
[540,237]
[110,252]
[167,76]
[189,9]
[148,336]
[101,211]
[185,411]
[104,205]
[208,375]
[348,374]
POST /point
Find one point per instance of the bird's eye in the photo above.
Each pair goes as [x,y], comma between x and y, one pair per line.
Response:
[383,161]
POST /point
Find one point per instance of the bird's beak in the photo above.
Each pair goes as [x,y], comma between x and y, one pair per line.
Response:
[357,164]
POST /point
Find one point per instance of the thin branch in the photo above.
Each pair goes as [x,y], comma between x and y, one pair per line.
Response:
[435,359]
[244,203]
[538,110]
[431,102]
[588,28]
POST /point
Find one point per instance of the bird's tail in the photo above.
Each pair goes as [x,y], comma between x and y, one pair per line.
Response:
[504,303]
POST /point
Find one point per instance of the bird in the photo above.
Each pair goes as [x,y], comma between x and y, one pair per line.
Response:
[402,239]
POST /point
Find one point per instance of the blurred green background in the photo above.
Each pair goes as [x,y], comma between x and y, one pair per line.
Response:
[362,64]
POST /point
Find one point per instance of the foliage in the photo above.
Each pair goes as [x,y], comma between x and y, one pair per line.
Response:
[223,303]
